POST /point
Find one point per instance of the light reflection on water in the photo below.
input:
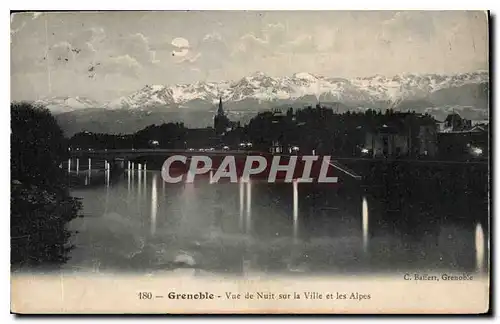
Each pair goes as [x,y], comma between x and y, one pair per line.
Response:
[154,203]
[480,247]
[263,227]
[365,224]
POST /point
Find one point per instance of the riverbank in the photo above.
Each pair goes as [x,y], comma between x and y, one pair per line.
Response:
[38,225]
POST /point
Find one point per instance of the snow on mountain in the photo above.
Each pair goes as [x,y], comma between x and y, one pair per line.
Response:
[150,95]
[411,86]
[263,88]
[65,104]
[208,91]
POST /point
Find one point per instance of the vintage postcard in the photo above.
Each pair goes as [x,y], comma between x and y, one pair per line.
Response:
[241,162]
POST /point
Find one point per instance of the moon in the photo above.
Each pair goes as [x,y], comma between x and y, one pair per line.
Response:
[181,46]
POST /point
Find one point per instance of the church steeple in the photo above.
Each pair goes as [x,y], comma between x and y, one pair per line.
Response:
[221,122]
[220,111]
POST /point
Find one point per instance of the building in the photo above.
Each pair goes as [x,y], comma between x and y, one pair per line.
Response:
[454,122]
[464,144]
[387,141]
[427,140]
[463,139]
[222,124]
[402,134]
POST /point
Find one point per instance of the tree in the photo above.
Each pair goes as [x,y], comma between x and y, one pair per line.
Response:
[40,202]
[37,146]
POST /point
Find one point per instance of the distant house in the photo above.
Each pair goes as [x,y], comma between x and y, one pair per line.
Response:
[387,141]
[441,126]
[277,147]
[454,122]
[426,141]
[278,120]
[403,134]
[473,142]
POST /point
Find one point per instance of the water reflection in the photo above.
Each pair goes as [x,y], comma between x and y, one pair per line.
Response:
[248,185]
[365,224]
[90,170]
[480,244]
[154,203]
[264,227]
[139,178]
[144,183]
[242,203]
[129,180]
[295,209]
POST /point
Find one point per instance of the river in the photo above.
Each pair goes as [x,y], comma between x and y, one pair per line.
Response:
[137,223]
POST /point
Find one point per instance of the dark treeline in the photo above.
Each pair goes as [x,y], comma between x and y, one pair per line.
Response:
[40,202]
[312,128]
[171,135]
[323,130]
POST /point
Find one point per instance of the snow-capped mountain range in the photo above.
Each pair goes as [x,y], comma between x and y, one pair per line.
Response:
[195,104]
[260,87]
[67,104]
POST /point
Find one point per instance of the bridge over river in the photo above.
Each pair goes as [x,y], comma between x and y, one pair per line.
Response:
[138,158]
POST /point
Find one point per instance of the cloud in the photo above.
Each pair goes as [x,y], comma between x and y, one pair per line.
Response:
[211,52]
[36,15]
[190,58]
[102,55]
[212,37]
[79,48]
[163,46]
[230,45]
[274,39]
[92,36]
[61,54]
[16,24]
[249,45]
[136,46]
[123,65]
[302,43]
[27,64]
[275,33]
[272,36]
[16,30]
[418,23]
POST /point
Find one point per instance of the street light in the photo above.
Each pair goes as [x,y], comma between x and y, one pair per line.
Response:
[477,151]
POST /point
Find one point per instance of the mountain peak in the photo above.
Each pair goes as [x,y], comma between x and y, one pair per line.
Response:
[154,87]
[367,91]
[305,76]
[258,74]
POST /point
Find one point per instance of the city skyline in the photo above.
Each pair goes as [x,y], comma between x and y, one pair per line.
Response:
[109,54]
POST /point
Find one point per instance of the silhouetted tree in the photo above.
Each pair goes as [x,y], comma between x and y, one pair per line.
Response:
[37,145]
[40,202]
